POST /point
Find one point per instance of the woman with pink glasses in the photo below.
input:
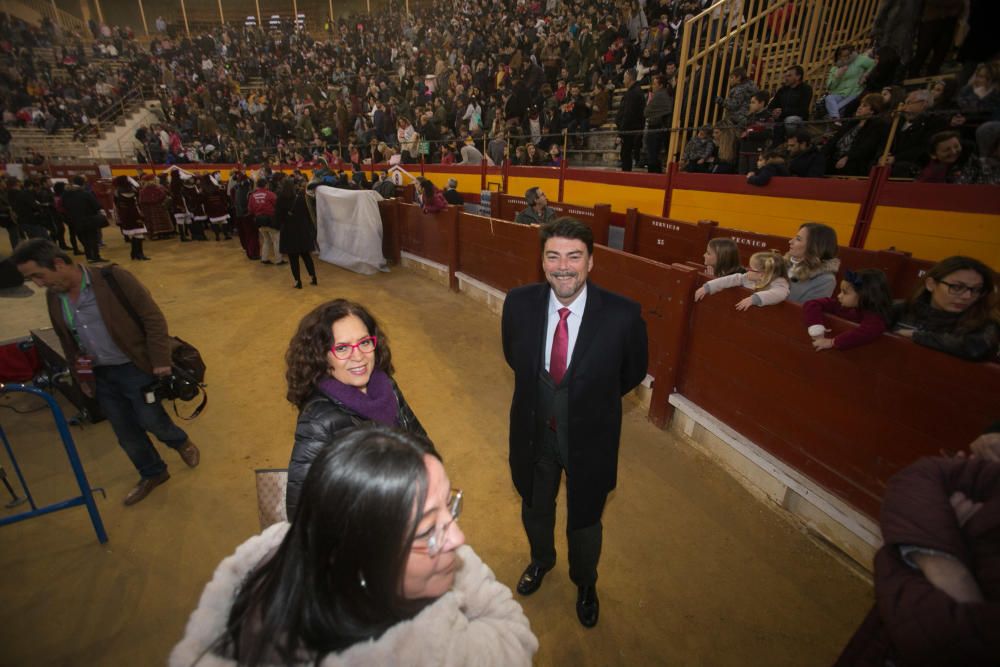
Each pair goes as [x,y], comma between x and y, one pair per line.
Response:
[339,376]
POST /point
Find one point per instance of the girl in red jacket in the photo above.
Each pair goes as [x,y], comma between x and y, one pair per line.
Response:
[864,298]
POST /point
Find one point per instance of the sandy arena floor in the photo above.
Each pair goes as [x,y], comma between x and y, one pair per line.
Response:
[695,571]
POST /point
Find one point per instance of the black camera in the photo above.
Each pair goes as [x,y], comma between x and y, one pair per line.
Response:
[170,388]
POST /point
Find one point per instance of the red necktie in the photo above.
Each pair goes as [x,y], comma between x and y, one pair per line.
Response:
[560,345]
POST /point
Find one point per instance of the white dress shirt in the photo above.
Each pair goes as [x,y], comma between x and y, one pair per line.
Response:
[572,323]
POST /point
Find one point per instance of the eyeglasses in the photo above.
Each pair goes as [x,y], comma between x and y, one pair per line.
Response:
[345,350]
[958,289]
[438,534]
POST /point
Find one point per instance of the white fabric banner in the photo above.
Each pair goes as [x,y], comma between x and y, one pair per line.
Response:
[349,229]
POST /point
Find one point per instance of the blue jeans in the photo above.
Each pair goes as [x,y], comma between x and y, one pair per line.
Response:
[120,395]
[834,103]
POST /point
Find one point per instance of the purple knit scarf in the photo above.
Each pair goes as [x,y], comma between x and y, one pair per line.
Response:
[379,404]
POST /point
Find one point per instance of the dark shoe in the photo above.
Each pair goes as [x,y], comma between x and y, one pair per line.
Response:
[588,607]
[531,580]
[298,284]
[145,259]
[266,261]
[313,281]
[144,487]
[96,261]
[189,454]
[78,252]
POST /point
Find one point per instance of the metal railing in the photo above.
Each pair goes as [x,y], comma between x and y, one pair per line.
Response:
[766,37]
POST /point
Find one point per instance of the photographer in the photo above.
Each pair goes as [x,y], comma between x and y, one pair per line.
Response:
[112,357]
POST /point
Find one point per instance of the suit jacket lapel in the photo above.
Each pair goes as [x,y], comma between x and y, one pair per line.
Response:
[589,325]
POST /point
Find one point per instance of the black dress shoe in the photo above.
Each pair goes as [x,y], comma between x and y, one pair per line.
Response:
[531,580]
[588,607]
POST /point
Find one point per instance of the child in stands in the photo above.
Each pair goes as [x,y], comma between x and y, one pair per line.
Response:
[722,258]
[767,276]
[955,310]
[865,298]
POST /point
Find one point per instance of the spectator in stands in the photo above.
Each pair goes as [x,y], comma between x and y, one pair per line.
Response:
[886,72]
[722,258]
[766,276]
[790,103]
[470,154]
[7,220]
[856,147]
[935,35]
[339,375]
[804,159]
[844,81]
[770,164]
[984,168]
[756,134]
[864,298]
[909,149]
[538,211]
[946,161]
[737,103]
[697,151]
[812,262]
[893,96]
[431,199]
[937,597]
[954,310]
[630,120]
[452,195]
[658,117]
[723,159]
[980,99]
[374,567]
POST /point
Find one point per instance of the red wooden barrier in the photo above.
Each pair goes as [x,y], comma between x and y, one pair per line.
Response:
[430,235]
[666,240]
[391,230]
[597,217]
[848,420]
[500,253]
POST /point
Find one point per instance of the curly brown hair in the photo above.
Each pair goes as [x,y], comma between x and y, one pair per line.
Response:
[306,356]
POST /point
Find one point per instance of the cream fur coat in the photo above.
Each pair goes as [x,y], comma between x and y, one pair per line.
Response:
[476,623]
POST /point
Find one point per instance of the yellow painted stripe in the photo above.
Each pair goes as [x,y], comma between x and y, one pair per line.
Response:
[766,215]
[935,235]
[621,197]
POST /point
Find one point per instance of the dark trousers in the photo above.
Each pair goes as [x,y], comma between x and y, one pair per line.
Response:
[539,519]
[631,143]
[120,395]
[293,264]
[655,140]
[933,37]
[90,238]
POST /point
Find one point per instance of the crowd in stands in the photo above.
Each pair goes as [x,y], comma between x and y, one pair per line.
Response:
[489,80]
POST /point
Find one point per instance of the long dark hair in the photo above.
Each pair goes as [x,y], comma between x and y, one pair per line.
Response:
[983,309]
[337,577]
[306,356]
[874,295]
[727,257]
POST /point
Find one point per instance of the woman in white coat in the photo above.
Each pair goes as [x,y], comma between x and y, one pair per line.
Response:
[374,571]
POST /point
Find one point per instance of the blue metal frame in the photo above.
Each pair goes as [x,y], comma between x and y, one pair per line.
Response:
[86,496]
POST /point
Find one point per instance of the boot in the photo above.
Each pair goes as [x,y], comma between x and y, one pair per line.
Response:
[313,281]
[140,255]
[136,252]
[298,284]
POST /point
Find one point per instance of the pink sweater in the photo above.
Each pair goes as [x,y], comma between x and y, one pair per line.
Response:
[776,292]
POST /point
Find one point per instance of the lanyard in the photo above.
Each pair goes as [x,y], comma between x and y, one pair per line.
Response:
[68,309]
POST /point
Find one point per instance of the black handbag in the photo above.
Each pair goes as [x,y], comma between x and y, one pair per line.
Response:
[185,360]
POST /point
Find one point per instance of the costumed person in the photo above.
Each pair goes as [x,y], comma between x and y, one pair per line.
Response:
[194,199]
[130,221]
[181,216]
[216,205]
[154,204]
[298,233]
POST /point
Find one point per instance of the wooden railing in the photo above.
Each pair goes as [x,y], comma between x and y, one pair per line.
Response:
[775,35]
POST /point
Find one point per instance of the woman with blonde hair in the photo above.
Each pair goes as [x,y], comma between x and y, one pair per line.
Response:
[766,276]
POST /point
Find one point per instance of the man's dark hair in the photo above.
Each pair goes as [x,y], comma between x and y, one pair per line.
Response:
[942,137]
[531,195]
[761,96]
[79,180]
[740,73]
[261,183]
[40,251]
[802,137]
[798,70]
[567,228]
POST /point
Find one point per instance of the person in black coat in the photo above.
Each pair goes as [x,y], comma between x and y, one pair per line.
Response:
[85,214]
[805,161]
[630,120]
[575,349]
[298,233]
[859,143]
[790,104]
[339,374]
[913,136]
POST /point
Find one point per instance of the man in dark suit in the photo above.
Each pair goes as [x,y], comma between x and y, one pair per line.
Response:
[630,120]
[575,349]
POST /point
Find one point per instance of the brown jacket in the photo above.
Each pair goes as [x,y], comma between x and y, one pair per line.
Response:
[147,351]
